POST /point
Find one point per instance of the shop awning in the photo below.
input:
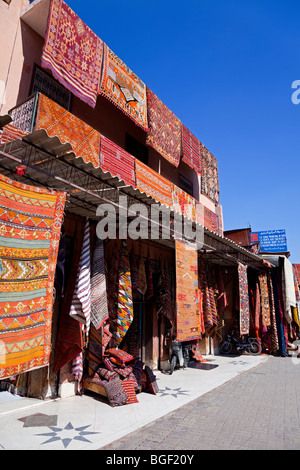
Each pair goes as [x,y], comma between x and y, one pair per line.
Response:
[45,161]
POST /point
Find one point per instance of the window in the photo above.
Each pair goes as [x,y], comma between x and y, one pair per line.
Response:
[50,88]
[136,148]
[186,185]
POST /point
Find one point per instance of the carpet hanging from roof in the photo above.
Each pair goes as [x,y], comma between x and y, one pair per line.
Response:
[117,161]
[244,299]
[164,129]
[191,149]
[31,220]
[123,88]
[73,52]
[57,121]
[153,184]
[187,298]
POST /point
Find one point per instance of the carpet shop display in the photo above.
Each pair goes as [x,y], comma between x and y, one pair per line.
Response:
[164,129]
[73,52]
[31,220]
[123,88]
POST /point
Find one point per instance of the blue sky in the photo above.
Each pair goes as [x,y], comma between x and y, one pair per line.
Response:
[226,69]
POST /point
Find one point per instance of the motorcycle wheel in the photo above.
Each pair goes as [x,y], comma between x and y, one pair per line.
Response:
[254,349]
[226,347]
[173,364]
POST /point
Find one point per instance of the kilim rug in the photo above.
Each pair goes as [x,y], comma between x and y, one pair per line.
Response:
[244,299]
[187,307]
[164,129]
[153,184]
[30,232]
[72,52]
[123,88]
[191,149]
[209,175]
[99,307]
[183,203]
[125,304]
[117,161]
[57,121]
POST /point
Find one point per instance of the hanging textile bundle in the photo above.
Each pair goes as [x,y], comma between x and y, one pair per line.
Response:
[81,303]
[99,308]
[124,316]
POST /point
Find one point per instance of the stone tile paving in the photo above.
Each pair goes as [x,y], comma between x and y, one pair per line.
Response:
[257,410]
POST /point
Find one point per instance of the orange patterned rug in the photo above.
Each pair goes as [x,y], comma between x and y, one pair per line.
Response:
[123,88]
[187,297]
[57,121]
[30,225]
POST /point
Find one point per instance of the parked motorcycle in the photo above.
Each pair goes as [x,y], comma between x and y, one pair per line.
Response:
[251,345]
[180,355]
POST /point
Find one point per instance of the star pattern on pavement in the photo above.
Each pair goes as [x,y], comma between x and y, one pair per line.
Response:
[67,434]
[174,392]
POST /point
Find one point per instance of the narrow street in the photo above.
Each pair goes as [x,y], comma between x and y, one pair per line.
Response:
[257,410]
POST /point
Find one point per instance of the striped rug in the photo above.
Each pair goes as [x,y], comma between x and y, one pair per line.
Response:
[81,303]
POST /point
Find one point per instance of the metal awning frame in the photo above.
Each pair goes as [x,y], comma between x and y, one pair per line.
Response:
[50,163]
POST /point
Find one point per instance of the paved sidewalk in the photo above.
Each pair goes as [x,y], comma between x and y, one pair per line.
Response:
[257,410]
[89,423]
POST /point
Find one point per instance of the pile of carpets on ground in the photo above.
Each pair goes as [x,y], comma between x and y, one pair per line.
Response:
[122,376]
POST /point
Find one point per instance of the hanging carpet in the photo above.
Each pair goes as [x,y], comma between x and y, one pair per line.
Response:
[31,220]
[209,175]
[72,52]
[123,88]
[57,121]
[69,342]
[124,316]
[187,311]
[117,161]
[191,149]
[99,308]
[244,299]
[164,129]
[81,303]
[153,184]
[183,203]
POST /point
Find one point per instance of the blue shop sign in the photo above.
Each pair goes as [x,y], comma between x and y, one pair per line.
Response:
[270,240]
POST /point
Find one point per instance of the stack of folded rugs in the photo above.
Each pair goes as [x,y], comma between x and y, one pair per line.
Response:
[120,377]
